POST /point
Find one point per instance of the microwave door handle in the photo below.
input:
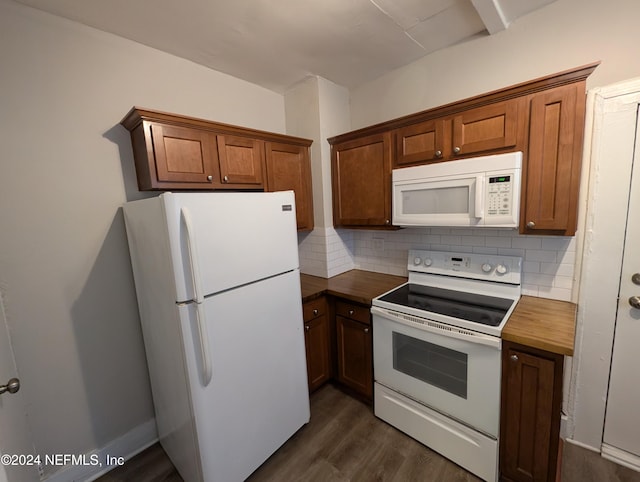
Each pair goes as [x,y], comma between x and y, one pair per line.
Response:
[479,201]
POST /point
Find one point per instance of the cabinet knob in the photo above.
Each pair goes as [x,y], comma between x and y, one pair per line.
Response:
[366,330]
[531,225]
[225,178]
[350,312]
[315,312]
[387,221]
[306,327]
[209,178]
[514,358]
[456,150]
[438,153]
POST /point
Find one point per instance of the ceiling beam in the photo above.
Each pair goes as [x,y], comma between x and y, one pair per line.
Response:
[491,14]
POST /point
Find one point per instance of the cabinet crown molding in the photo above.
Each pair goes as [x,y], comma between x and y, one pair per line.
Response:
[558,79]
[137,115]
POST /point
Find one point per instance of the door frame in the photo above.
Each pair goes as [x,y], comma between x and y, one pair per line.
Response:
[15,427]
[610,141]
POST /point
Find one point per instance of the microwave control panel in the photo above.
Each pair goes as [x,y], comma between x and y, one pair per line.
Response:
[499,195]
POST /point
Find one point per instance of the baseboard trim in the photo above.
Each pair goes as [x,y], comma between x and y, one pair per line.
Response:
[582,445]
[126,446]
[621,457]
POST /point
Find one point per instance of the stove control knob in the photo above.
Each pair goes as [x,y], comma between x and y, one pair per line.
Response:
[417,261]
[501,269]
[487,268]
[428,262]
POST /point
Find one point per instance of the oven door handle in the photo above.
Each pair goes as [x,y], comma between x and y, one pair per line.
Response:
[438,328]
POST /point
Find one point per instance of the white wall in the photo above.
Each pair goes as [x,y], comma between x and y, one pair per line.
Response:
[318,109]
[66,167]
[560,36]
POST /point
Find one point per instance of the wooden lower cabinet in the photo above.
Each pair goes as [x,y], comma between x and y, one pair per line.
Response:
[530,413]
[317,342]
[339,345]
[354,348]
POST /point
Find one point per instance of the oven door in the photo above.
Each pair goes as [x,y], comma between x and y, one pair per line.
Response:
[453,371]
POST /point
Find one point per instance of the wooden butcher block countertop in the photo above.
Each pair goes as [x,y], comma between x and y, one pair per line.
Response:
[542,323]
[536,322]
[355,285]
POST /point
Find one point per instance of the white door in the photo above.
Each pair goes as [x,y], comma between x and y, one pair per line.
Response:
[622,423]
[14,433]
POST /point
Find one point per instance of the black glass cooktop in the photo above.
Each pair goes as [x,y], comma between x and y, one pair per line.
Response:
[487,310]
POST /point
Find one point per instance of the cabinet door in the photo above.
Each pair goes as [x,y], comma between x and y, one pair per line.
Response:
[531,405]
[487,128]
[241,161]
[361,171]
[289,167]
[318,352]
[556,128]
[184,156]
[420,143]
[355,368]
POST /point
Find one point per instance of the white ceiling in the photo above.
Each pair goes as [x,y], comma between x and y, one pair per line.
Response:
[276,43]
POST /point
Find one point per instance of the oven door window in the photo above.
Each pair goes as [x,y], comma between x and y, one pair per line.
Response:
[433,364]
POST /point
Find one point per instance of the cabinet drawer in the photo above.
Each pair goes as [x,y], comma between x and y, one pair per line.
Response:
[353,311]
[314,309]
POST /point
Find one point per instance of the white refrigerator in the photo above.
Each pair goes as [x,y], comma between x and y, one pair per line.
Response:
[218,286]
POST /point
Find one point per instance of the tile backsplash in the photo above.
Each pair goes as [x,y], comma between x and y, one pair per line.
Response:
[548,261]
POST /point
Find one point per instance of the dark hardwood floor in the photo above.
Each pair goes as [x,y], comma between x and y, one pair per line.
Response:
[344,441]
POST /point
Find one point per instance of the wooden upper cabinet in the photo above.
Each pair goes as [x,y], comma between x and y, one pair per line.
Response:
[483,130]
[361,173]
[487,128]
[552,171]
[175,152]
[289,168]
[241,161]
[543,118]
[421,143]
[179,156]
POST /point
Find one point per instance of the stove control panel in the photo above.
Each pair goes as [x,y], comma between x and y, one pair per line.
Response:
[504,269]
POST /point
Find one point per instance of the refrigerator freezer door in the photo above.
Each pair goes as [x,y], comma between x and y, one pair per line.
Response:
[258,395]
[234,238]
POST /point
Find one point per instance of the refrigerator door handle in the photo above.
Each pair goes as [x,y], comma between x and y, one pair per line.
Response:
[198,297]
[204,344]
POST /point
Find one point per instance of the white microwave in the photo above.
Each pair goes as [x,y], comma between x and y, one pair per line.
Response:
[481,192]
